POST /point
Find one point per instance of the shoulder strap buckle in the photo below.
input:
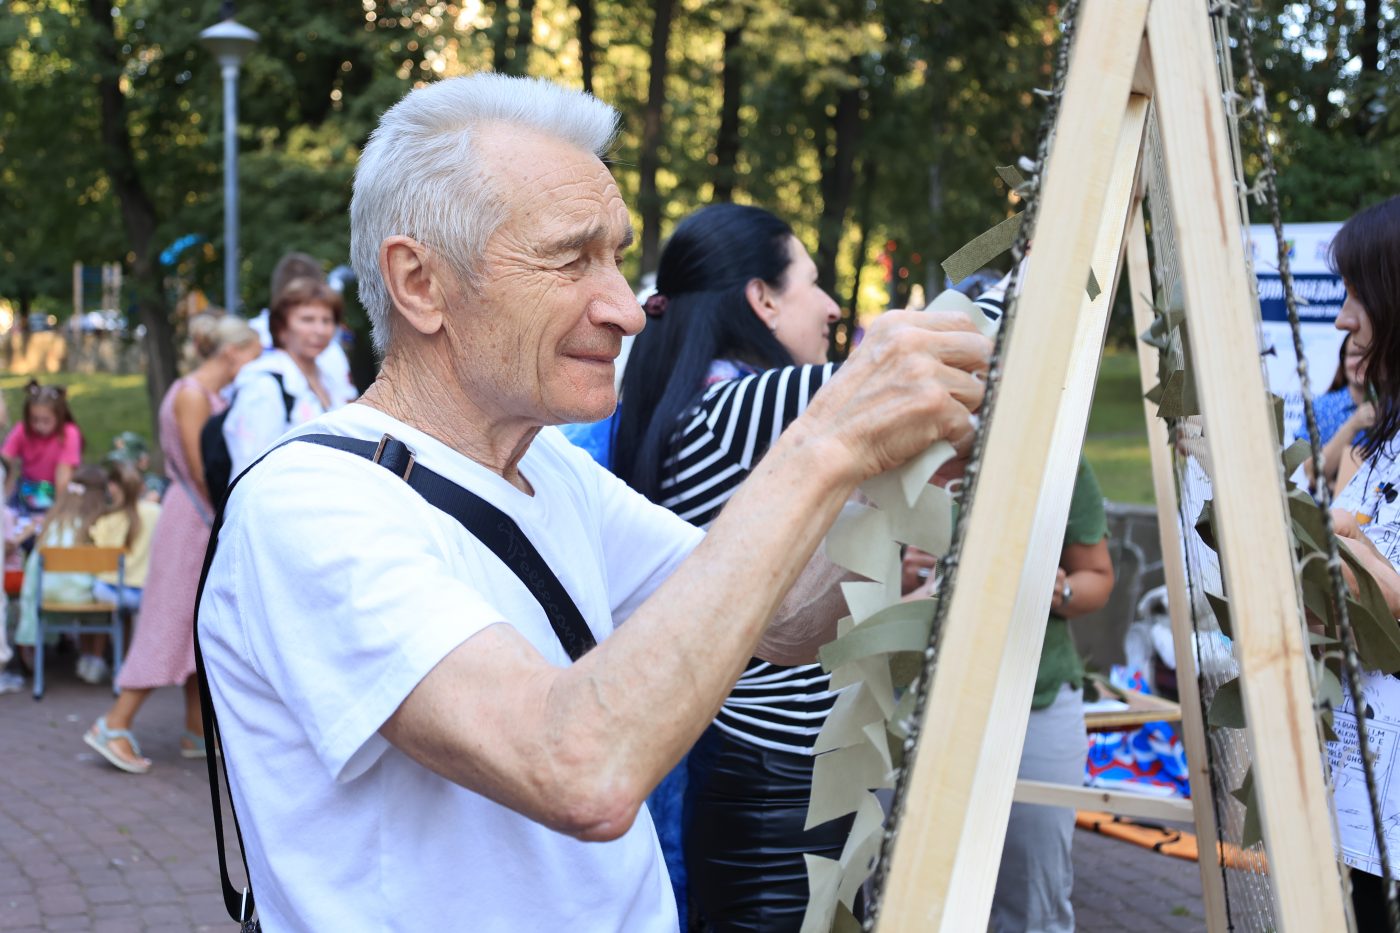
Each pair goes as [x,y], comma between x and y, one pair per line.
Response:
[394,455]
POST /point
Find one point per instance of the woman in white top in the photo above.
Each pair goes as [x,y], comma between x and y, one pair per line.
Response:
[286,387]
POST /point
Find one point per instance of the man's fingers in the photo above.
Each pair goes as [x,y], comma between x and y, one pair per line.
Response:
[967,388]
[954,424]
[970,352]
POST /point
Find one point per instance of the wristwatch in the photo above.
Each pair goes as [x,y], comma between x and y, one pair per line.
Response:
[1066,593]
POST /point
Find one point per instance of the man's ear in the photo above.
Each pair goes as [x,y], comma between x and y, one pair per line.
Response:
[415,283]
[760,299]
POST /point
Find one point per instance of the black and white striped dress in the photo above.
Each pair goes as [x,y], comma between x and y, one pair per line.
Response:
[733,423]
[736,419]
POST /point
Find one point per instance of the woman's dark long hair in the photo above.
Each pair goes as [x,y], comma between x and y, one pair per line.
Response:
[1366,254]
[707,264]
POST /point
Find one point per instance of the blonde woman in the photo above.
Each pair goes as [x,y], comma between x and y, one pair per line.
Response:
[162,650]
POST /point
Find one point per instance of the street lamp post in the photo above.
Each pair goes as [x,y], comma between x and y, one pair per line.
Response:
[231,43]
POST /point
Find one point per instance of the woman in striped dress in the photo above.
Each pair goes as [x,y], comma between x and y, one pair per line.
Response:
[735,348]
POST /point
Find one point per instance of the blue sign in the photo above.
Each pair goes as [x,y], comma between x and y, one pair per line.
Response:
[1319,296]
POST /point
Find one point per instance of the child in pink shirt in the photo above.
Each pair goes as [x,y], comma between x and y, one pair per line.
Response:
[42,450]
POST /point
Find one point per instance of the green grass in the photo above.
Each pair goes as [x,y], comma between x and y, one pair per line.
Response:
[1116,442]
[104,405]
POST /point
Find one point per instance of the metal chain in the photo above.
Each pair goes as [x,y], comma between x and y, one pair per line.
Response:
[949,562]
[1321,493]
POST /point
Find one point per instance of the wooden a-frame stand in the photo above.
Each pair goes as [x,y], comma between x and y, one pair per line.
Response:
[1129,55]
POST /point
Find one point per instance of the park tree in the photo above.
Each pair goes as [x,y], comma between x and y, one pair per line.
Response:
[872,127]
[1332,88]
[55,204]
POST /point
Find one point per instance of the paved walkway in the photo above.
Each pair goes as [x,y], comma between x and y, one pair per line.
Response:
[85,847]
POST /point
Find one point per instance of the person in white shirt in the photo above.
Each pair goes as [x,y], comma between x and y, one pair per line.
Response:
[408,746]
[295,265]
[287,386]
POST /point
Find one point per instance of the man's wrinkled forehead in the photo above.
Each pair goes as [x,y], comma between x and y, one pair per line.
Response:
[536,175]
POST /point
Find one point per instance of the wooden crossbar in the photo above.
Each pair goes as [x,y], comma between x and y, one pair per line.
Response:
[81,559]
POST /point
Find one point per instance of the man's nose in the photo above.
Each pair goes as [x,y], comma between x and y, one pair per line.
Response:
[617,306]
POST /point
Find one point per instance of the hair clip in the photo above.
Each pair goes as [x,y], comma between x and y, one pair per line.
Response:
[655,305]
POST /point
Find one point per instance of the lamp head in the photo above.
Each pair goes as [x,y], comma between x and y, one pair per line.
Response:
[229,41]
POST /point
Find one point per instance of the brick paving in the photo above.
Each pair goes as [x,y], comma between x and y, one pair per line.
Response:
[85,847]
[1121,887]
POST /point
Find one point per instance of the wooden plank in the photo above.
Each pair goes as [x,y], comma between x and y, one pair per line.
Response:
[958,797]
[1142,709]
[1256,554]
[1119,803]
[1193,728]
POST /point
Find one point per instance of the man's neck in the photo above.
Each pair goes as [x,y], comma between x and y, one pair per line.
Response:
[445,410]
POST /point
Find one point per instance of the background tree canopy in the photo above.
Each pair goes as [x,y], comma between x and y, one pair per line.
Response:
[872,125]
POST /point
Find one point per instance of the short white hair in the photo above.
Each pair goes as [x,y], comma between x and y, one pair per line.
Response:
[419,176]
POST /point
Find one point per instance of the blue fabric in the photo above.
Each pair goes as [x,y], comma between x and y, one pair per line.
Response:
[1152,754]
[666,803]
[667,806]
[1332,411]
[594,438]
[130,600]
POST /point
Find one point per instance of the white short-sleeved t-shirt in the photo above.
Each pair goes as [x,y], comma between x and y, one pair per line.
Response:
[258,415]
[335,589]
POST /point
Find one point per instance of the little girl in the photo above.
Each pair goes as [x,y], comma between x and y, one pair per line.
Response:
[41,451]
[128,525]
[68,524]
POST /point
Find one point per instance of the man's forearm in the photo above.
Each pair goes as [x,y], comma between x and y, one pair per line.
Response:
[701,627]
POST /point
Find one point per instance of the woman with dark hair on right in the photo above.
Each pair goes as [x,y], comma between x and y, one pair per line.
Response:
[1366,513]
[734,348]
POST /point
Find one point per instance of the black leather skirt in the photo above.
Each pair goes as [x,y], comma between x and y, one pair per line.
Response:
[744,841]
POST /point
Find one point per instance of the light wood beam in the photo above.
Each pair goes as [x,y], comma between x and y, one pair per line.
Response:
[1193,729]
[944,864]
[1252,529]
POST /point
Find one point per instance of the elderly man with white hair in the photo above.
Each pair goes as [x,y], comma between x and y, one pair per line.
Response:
[409,745]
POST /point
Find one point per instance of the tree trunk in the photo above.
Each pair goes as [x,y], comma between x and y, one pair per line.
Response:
[838,180]
[648,198]
[524,37]
[586,23]
[500,37]
[1368,40]
[138,213]
[727,143]
[843,335]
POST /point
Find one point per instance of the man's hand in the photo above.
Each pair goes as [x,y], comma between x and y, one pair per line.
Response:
[914,380]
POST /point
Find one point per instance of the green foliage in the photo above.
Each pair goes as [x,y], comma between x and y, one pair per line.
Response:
[1328,72]
[944,91]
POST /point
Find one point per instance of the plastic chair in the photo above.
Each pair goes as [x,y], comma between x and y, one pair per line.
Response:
[87,618]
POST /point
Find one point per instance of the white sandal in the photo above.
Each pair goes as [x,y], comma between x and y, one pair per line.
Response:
[99,737]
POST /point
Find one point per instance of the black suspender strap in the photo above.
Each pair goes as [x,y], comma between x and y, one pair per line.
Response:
[482,520]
